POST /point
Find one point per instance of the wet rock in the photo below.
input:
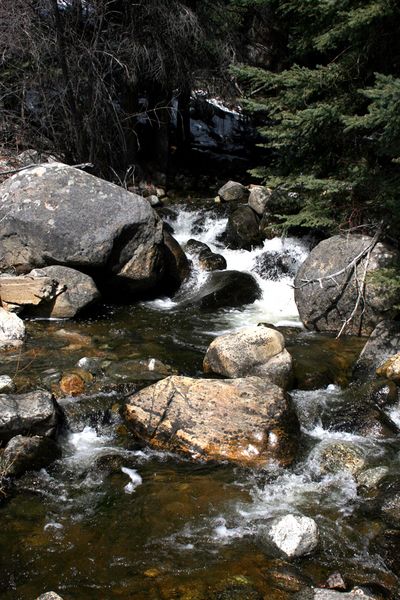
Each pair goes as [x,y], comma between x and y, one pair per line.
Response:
[390,369]
[76,291]
[177,267]
[383,343]
[247,421]
[322,594]
[223,289]
[382,393]
[33,413]
[258,198]
[371,478]
[294,535]
[99,410]
[77,220]
[242,230]
[335,582]
[194,247]
[132,370]
[387,545]
[341,456]
[73,384]
[24,453]
[256,351]
[6,384]
[93,364]
[27,290]
[233,191]
[274,266]
[210,261]
[12,329]
[390,509]
[325,297]
[358,413]
[286,577]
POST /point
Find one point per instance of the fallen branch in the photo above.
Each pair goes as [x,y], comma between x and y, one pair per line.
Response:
[351,265]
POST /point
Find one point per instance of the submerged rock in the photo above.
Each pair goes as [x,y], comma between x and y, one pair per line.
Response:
[33,413]
[55,214]
[256,351]
[12,329]
[294,535]
[76,291]
[24,453]
[336,457]
[247,421]
[327,290]
[233,191]
[322,594]
[383,343]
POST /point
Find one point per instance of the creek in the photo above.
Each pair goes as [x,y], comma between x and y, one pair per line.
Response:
[111,519]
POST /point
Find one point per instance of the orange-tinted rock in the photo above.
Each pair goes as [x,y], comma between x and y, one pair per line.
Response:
[247,421]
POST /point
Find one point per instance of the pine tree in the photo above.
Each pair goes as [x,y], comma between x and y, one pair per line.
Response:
[331,116]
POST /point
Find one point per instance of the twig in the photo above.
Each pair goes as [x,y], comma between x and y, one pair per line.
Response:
[351,265]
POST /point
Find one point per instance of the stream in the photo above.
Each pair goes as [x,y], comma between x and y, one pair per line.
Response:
[111,519]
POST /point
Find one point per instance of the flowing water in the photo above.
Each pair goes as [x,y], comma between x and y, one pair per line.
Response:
[114,520]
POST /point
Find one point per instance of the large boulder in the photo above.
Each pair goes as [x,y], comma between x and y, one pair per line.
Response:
[223,289]
[12,329]
[55,214]
[242,230]
[247,421]
[33,413]
[256,351]
[332,293]
[233,191]
[383,343]
[75,291]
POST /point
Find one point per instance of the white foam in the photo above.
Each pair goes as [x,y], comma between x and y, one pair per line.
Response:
[135,480]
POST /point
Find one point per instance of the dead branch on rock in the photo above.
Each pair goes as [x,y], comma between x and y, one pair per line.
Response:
[350,266]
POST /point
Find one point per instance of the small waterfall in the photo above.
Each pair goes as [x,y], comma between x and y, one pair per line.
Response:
[276,304]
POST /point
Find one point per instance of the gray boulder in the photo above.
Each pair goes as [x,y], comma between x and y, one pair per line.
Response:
[233,191]
[24,453]
[33,413]
[12,329]
[246,421]
[327,286]
[55,214]
[76,291]
[293,535]
[383,342]
[256,351]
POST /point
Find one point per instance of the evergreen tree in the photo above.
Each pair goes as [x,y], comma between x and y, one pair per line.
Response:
[331,114]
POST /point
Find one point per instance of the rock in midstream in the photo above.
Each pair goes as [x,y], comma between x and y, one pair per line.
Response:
[12,329]
[327,286]
[294,535]
[246,421]
[258,351]
[56,214]
[33,413]
[383,343]
[24,453]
